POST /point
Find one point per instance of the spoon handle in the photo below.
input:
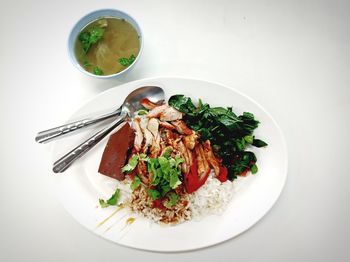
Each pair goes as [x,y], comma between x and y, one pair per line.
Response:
[65,161]
[57,132]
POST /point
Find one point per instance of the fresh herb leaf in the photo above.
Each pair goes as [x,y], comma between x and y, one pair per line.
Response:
[178,160]
[165,173]
[87,64]
[143,157]
[154,194]
[167,152]
[249,139]
[254,169]
[96,34]
[259,143]
[174,180]
[97,71]
[135,183]
[142,112]
[131,165]
[103,203]
[172,200]
[88,38]
[124,61]
[112,201]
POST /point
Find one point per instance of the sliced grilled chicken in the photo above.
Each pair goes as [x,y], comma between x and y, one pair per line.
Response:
[138,134]
[209,155]
[202,163]
[141,171]
[153,126]
[181,127]
[170,114]
[157,111]
[191,140]
[165,113]
[187,155]
[155,147]
[166,125]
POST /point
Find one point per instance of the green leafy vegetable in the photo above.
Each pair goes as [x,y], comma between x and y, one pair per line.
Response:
[90,37]
[249,139]
[182,103]
[167,152]
[135,183]
[230,135]
[124,61]
[254,169]
[259,143]
[112,201]
[142,112]
[154,194]
[173,198]
[131,165]
[97,71]
[165,173]
[87,64]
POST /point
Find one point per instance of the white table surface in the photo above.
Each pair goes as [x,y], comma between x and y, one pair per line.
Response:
[293,57]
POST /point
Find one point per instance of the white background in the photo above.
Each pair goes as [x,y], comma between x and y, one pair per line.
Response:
[293,57]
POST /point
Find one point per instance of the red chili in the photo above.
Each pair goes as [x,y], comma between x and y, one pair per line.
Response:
[223,174]
[192,180]
[158,204]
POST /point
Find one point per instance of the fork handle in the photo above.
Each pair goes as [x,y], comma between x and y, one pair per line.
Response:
[57,132]
[67,160]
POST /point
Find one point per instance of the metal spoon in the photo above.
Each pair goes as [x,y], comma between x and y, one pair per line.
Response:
[130,106]
[153,93]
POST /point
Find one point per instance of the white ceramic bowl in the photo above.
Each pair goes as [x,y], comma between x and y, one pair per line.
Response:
[92,17]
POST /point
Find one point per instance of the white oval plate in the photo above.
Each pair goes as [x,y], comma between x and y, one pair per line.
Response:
[80,187]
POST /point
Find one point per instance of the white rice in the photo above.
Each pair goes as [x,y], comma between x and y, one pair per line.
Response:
[211,199]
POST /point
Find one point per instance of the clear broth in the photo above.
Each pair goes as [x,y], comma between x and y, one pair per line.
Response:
[120,40]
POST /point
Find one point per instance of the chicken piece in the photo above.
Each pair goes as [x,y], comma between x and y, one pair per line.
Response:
[187,155]
[153,125]
[157,111]
[209,155]
[167,151]
[170,114]
[168,136]
[191,140]
[146,103]
[181,127]
[138,134]
[165,113]
[202,163]
[147,135]
[155,147]
[141,171]
[166,125]
[148,139]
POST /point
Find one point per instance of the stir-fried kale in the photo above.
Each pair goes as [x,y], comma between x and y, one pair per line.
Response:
[229,134]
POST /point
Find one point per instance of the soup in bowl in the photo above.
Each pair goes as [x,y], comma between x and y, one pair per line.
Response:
[105,43]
